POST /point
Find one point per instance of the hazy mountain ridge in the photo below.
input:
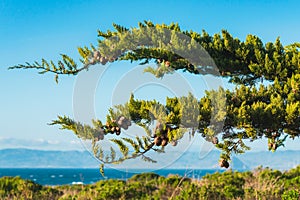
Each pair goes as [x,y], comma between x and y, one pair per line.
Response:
[29,158]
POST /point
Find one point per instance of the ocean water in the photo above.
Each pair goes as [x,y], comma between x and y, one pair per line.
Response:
[88,176]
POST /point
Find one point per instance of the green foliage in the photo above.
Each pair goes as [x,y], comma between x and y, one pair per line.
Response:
[257,184]
[17,188]
[244,62]
[144,177]
[290,195]
[228,185]
[252,110]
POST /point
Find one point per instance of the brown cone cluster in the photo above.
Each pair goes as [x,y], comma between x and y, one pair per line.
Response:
[114,127]
[98,58]
[215,140]
[100,134]
[224,163]
[174,143]
[161,140]
[161,135]
[166,63]
[111,128]
[272,146]
[100,137]
[123,122]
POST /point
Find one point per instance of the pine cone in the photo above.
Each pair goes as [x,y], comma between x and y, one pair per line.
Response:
[112,59]
[167,63]
[93,61]
[124,126]
[164,142]
[174,143]
[100,137]
[270,146]
[100,134]
[120,120]
[113,129]
[157,141]
[224,163]
[128,122]
[215,140]
[96,55]
[103,60]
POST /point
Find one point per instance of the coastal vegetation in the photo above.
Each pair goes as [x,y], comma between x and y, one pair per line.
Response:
[260,183]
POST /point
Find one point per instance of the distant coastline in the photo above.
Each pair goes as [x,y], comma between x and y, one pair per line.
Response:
[31,158]
[66,176]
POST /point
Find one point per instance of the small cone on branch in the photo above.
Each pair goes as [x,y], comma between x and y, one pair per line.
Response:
[174,143]
[118,130]
[101,131]
[157,141]
[111,59]
[128,122]
[215,140]
[164,142]
[123,122]
[93,61]
[120,120]
[97,55]
[224,163]
[100,137]
[124,126]
[270,145]
[167,63]
[103,60]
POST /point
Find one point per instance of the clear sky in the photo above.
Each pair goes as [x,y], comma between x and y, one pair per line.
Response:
[30,30]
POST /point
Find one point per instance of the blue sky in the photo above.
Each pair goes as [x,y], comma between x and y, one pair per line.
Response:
[30,30]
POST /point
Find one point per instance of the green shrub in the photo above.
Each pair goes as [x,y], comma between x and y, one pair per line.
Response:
[258,184]
[290,195]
